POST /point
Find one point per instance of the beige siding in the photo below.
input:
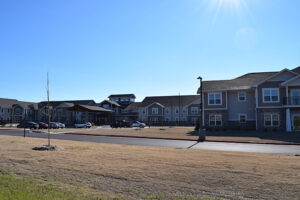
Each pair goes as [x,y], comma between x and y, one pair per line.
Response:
[272,84]
[223,105]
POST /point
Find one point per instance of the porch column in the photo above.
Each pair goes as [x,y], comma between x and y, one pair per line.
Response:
[288,121]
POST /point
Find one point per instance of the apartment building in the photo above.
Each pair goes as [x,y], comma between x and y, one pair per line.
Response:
[261,101]
[169,110]
[14,111]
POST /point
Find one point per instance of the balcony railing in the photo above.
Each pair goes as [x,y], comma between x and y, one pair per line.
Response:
[291,101]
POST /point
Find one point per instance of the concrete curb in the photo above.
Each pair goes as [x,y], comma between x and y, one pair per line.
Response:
[194,140]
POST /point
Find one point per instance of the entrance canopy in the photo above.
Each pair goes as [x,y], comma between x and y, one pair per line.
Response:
[85,108]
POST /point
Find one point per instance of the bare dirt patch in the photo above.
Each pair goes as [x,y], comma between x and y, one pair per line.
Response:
[134,172]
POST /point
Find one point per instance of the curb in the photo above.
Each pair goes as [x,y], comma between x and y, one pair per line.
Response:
[194,140]
[11,129]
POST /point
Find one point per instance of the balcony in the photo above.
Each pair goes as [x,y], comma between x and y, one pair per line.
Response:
[291,101]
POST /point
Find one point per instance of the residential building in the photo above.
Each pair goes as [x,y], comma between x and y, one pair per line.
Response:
[169,110]
[261,101]
[14,111]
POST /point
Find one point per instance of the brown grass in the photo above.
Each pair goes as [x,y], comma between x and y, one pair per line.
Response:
[135,172]
[173,132]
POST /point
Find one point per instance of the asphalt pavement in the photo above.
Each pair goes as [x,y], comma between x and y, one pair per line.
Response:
[218,146]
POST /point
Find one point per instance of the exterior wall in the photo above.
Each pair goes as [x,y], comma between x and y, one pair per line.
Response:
[5,114]
[270,84]
[160,110]
[260,118]
[223,105]
[236,107]
[222,112]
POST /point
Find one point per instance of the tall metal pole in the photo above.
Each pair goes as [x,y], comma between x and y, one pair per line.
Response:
[201,103]
[48,98]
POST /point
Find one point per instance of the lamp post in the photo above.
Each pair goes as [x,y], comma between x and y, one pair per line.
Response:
[201,134]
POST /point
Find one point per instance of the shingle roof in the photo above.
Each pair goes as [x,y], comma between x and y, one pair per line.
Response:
[240,83]
[89,108]
[110,102]
[56,103]
[133,106]
[122,95]
[297,70]
[8,103]
[169,101]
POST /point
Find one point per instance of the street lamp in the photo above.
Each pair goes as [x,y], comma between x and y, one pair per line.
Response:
[201,134]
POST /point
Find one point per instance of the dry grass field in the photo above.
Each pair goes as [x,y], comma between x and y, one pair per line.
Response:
[132,172]
[183,133]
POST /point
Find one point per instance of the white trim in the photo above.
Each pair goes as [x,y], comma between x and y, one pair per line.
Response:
[292,79]
[215,119]
[239,96]
[226,99]
[263,95]
[155,103]
[214,93]
[215,109]
[272,113]
[274,75]
[271,107]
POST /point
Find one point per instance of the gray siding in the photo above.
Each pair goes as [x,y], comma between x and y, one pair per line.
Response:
[236,107]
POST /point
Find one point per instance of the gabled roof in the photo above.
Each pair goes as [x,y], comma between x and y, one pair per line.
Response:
[168,101]
[86,108]
[274,75]
[57,103]
[122,95]
[290,80]
[133,106]
[110,102]
[8,103]
[297,70]
[240,83]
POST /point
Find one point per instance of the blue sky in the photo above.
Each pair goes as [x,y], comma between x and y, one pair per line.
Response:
[147,47]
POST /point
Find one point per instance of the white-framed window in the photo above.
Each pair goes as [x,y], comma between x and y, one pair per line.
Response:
[214,99]
[270,95]
[241,96]
[167,111]
[154,111]
[176,110]
[271,119]
[215,120]
[184,110]
[166,119]
[176,119]
[194,110]
[144,111]
[242,118]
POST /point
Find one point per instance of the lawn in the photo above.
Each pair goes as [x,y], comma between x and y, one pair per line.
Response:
[189,133]
[132,172]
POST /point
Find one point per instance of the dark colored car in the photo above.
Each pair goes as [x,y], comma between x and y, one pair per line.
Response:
[54,125]
[2,123]
[121,124]
[43,125]
[28,124]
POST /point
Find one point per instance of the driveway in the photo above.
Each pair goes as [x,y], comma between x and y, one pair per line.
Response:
[218,146]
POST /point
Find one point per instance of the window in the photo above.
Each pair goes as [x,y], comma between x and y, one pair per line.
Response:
[154,111]
[214,99]
[242,118]
[167,119]
[176,119]
[176,110]
[242,96]
[144,111]
[271,119]
[215,120]
[167,111]
[194,110]
[270,95]
[184,110]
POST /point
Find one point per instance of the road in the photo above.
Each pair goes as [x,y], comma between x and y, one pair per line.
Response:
[219,146]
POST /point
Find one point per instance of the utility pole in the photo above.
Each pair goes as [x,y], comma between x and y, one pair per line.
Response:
[201,133]
[48,98]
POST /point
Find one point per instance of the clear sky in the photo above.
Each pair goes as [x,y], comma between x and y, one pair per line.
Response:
[94,48]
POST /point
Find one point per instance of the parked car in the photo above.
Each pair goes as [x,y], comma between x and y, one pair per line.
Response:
[83,125]
[54,125]
[28,124]
[61,125]
[2,123]
[138,124]
[42,125]
[121,124]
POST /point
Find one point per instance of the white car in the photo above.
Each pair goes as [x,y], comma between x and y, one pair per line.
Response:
[138,124]
[83,125]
